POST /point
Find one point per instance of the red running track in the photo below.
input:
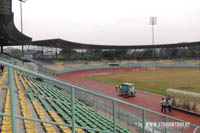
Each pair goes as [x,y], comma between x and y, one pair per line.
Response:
[144,99]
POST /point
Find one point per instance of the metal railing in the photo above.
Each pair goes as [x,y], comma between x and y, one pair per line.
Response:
[15,61]
[143,111]
[196,129]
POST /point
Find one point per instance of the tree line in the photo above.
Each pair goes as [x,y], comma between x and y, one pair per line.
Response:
[115,53]
[126,53]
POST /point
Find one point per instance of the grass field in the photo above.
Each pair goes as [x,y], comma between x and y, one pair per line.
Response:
[187,79]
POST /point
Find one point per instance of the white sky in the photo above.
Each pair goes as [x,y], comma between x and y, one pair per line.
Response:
[112,22]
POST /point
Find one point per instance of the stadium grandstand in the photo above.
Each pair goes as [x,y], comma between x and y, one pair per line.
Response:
[32,100]
[160,49]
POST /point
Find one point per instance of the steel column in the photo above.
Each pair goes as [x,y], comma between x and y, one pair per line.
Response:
[94,101]
[12,96]
[144,120]
[56,53]
[183,129]
[165,126]
[73,110]
[1,49]
[137,117]
[105,107]
[114,116]
[42,51]
[196,129]
[119,113]
[21,17]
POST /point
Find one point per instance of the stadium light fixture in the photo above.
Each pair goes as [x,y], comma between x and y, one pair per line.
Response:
[22,1]
[153,21]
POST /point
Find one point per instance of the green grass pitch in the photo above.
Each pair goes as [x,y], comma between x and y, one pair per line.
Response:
[187,79]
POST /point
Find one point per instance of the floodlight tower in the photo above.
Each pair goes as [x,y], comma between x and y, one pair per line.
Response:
[153,21]
[22,1]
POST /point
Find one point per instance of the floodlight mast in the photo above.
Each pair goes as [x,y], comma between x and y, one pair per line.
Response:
[22,22]
[153,21]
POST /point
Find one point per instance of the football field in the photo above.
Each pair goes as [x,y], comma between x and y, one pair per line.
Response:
[187,79]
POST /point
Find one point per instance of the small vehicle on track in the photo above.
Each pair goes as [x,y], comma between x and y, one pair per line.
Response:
[127,90]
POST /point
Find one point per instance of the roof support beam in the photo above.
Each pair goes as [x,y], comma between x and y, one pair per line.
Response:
[1,49]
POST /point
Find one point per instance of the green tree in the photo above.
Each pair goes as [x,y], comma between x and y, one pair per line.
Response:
[183,54]
[147,53]
[16,53]
[175,53]
[67,53]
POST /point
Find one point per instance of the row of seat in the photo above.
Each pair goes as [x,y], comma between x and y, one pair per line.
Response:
[29,125]
[89,116]
[3,78]
[41,114]
[54,116]
[6,126]
[84,117]
[51,112]
[51,91]
[57,118]
[48,107]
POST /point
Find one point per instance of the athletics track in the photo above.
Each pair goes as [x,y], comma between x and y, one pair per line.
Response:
[144,99]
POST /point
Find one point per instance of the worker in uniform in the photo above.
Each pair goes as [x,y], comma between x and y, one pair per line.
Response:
[169,103]
[163,105]
[117,88]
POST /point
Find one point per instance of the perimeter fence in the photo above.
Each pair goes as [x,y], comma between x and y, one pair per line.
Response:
[130,116]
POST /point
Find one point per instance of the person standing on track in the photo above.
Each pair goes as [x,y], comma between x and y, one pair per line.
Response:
[163,105]
[117,88]
[169,103]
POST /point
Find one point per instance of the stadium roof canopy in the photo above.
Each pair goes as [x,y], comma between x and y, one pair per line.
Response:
[59,43]
[9,35]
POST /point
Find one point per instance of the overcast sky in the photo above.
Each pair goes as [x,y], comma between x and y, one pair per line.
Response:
[112,22]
